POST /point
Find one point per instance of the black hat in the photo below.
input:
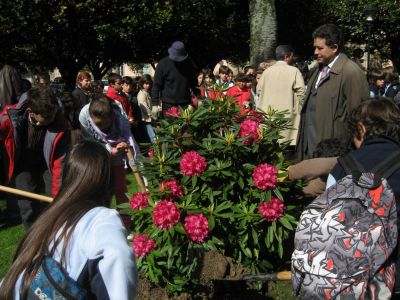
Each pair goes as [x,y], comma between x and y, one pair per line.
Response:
[177,51]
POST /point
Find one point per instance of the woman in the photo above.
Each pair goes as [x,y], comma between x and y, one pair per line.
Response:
[83,91]
[79,232]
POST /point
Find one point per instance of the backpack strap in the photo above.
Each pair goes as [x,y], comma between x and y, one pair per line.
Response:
[350,164]
[388,166]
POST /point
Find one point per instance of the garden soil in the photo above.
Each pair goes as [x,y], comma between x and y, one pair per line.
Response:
[219,278]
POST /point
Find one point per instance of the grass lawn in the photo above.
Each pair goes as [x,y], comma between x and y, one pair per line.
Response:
[10,237]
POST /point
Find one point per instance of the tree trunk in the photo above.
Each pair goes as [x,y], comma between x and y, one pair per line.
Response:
[69,73]
[99,70]
[263,30]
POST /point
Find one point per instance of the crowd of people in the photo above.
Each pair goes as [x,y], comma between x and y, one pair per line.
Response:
[39,127]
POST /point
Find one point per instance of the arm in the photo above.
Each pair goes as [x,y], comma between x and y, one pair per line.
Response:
[299,91]
[114,273]
[158,84]
[312,168]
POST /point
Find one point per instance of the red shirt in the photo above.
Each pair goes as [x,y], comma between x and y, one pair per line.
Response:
[242,96]
[121,98]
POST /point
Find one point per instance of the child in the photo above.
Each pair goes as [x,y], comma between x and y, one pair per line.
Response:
[377,84]
[35,140]
[102,121]
[224,73]
[79,232]
[240,92]
[375,128]
[82,91]
[144,101]
[392,86]
[115,93]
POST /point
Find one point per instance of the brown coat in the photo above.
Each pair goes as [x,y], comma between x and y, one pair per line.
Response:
[341,92]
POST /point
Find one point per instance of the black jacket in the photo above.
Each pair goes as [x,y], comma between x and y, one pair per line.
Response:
[174,82]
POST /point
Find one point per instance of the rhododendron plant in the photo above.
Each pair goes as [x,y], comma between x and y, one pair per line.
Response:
[216,181]
[265,176]
[273,210]
[142,245]
[196,227]
[172,188]
[166,214]
[139,200]
[251,129]
[192,164]
[173,112]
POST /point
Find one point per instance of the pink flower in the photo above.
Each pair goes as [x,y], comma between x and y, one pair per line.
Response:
[166,214]
[196,227]
[173,112]
[142,245]
[192,164]
[272,210]
[256,116]
[150,153]
[251,129]
[139,200]
[173,188]
[264,176]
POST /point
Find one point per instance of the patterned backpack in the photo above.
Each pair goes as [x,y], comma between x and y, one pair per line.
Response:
[345,237]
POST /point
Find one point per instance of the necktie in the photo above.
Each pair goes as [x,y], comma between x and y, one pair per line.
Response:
[324,74]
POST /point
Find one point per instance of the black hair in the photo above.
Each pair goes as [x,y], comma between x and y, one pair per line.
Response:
[101,107]
[330,148]
[42,100]
[283,50]
[332,34]
[146,78]
[113,77]
[224,70]
[241,77]
[380,117]
[128,80]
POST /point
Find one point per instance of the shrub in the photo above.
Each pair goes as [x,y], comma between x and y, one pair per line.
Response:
[217,181]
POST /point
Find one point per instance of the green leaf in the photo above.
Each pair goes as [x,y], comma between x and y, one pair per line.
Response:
[285,223]
[179,228]
[278,194]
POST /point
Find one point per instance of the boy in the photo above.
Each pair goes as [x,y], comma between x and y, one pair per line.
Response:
[223,75]
[240,92]
[35,139]
[115,92]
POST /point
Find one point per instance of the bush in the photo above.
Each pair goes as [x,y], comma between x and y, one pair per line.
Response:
[217,181]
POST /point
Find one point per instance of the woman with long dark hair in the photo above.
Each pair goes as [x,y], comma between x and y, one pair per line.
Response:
[80,232]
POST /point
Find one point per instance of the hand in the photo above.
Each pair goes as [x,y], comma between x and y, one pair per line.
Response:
[121,148]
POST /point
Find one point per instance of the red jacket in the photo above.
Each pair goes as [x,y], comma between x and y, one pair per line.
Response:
[56,143]
[121,98]
[242,96]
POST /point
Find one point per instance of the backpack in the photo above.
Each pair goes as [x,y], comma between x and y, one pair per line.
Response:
[52,283]
[345,237]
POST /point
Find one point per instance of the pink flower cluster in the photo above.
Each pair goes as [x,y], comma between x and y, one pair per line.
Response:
[272,210]
[173,188]
[142,245]
[173,112]
[192,164]
[264,176]
[251,129]
[166,214]
[196,227]
[139,200]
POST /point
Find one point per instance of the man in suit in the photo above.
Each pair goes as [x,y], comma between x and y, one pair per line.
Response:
[335,87]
